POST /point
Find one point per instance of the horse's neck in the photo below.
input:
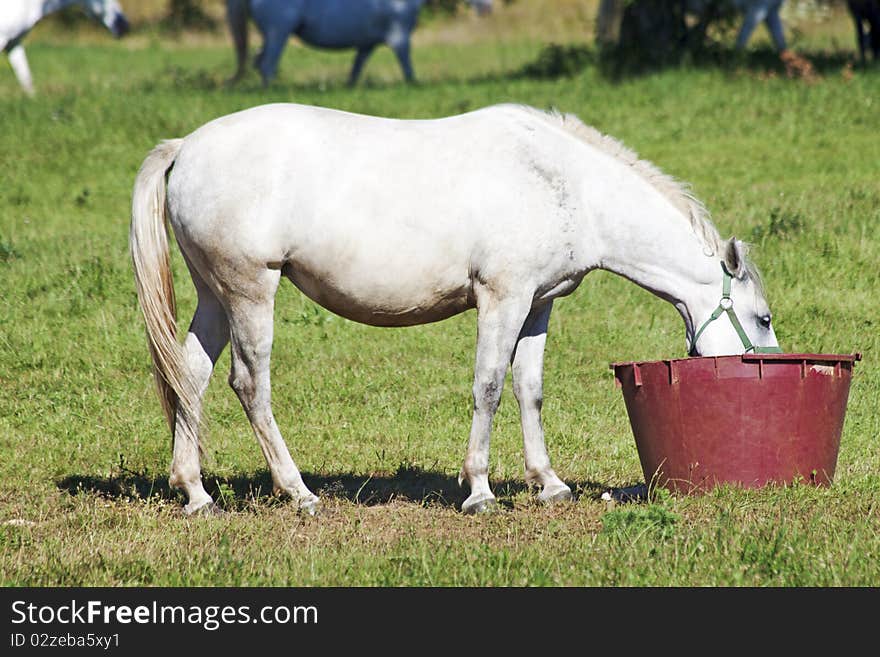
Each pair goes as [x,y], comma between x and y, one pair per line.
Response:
[653,244]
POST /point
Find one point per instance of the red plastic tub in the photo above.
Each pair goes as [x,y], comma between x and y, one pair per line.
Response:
[749,420]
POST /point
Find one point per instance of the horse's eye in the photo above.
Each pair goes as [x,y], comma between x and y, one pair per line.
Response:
[765,321]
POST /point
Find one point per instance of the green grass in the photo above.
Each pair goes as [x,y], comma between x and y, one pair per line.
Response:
[377,419]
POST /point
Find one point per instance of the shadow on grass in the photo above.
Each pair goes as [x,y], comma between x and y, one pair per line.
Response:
[554,61]
[408,483]
[211,80]
[561,61]
[767,61]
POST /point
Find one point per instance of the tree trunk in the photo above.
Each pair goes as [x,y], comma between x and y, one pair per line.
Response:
[608,22]
[656,32]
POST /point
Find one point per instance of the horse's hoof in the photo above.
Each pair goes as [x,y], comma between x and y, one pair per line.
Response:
[209,510]
[556,495]
[479,506]
[310,506]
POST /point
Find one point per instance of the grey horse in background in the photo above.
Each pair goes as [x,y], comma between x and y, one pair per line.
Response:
[333,24]
[18,17]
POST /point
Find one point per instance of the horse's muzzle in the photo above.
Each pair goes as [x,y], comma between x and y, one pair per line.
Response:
[120,26]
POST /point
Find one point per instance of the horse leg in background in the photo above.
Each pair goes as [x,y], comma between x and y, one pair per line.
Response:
[359,60]
[861,38]
[398,40]
[19,63]
[499,321]
[874,25]
[401,49]
[251,325]
[274,41]
[236,19]
[866,18]
[755,13]
[528,371]
[775,27]
[205,341]
[276,28]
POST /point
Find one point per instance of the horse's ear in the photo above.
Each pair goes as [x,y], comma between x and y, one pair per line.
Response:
[735,253]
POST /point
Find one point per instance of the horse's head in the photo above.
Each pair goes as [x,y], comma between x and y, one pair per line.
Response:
[483,7]
[110,14]
[733,316]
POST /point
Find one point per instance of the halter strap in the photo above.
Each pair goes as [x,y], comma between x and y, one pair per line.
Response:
[726,306]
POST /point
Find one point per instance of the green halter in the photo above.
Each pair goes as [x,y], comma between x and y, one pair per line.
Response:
[726,306]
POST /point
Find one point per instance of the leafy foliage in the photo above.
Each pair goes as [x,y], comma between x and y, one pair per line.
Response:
[655,33]
[189,15]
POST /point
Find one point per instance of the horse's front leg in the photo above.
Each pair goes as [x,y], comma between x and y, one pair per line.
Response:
[360,59]
[498,324]
[19,63]
[528,371]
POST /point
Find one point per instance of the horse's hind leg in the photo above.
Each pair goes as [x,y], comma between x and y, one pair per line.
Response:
[267,60]
[861,37]
[236,19]
[276,23]
[207,337]
[528,366]
[874,25]
[205,341]
[251,326]
[498,324]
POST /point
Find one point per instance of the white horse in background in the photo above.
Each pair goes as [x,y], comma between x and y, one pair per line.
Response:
[402,222]
[18,17]
[333,24]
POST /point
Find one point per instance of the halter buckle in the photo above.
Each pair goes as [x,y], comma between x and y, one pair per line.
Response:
[726,306]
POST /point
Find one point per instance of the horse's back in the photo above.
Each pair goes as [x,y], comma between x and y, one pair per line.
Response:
[379,172]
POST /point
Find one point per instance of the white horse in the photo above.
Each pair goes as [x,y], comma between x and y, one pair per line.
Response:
[334,24]
[402,222]
[18,17]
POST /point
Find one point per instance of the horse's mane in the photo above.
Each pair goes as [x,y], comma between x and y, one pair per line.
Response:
[677,192]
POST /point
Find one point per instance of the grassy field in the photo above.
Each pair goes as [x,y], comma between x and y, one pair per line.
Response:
[377,418]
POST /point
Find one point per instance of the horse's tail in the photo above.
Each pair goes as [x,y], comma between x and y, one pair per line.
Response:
[148,243]
[236,17]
